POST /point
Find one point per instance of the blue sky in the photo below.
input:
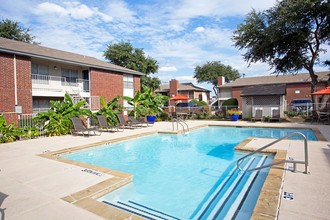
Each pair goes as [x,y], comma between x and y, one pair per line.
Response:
[179,34]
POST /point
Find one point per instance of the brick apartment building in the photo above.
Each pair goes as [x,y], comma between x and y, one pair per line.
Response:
[269,92]
[32,75]
[190,90]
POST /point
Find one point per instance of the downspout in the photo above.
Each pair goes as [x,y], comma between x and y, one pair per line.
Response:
[15,81]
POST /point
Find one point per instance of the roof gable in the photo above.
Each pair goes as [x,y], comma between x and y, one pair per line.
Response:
[182,87]
[273,79]
[33,50]
[265,90]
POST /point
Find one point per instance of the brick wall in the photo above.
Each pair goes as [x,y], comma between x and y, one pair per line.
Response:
[137,83]
[7,85]
[7,90]
[304,91]
[174,86]
[298,91]
[220,80]
[106,83]
[236,93]
[24,83]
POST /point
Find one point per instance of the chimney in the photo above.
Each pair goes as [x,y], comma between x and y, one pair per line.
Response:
[174,86]
[221,80]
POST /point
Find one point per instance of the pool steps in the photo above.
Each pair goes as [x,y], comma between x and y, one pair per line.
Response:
[227,196]
[233,211]
[234,208]
[141,210]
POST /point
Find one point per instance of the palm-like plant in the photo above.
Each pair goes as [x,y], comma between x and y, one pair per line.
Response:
[152,103]
[8,133]
[137,103]
[110,110]
[146,102]
[57,119]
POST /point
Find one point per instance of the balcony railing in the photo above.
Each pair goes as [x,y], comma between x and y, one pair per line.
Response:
[93,103]
[56,82]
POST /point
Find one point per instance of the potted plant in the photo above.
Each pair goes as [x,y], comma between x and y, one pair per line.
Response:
[152,104]
[234,114]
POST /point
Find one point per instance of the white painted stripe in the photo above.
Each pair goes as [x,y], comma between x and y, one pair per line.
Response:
[216,191]
[229,190]
[239,198]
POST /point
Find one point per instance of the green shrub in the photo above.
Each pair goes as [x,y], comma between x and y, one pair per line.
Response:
[8,133]
[57,120]
[291,113]
[229,104]
[163,116]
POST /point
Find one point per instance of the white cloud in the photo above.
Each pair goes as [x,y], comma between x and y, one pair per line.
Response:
[50,9]
[120,10]
[199,30]
[165,78]
[78,11]
[74,10]
[168,69]
[105,17]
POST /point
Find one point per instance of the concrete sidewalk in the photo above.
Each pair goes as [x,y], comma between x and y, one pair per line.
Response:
[31,187]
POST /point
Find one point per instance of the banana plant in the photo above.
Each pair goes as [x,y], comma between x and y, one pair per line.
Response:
[153,104]
[137,103]
[8,133]
[57,119]
[110,110]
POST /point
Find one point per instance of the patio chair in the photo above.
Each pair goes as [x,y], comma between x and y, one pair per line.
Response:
[136,122]
[318,117]
[78,126]
[258,116]
[275,115]
[103,123]
[122,123]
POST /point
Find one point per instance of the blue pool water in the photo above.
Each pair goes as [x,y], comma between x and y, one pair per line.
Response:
[186,177]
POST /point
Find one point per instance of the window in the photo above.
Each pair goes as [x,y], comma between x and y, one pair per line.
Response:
[40,73]
[128,82]
[69,77]
[128,88]
[40,69]
[191,95]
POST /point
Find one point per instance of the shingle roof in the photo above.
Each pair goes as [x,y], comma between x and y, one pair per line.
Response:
[182,87]
[278,89]
[273,79]
[33,50]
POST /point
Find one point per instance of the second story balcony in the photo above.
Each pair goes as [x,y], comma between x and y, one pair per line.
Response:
[45,85]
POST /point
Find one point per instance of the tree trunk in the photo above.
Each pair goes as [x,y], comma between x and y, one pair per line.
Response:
[313,86]
[216,91]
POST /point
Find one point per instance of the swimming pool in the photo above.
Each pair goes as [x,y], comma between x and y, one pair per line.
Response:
[185,177]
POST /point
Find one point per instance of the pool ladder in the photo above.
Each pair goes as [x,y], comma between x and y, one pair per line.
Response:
[180,122]
[295,162]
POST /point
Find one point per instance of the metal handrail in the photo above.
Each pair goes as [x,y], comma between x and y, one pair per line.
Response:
[295,162]
[182,123]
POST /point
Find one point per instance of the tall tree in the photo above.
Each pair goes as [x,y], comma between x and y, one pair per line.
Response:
[210,71]
[12,30]
[123,54]
[288,37]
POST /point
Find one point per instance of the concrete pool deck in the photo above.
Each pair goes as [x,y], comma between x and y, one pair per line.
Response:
[32,187]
